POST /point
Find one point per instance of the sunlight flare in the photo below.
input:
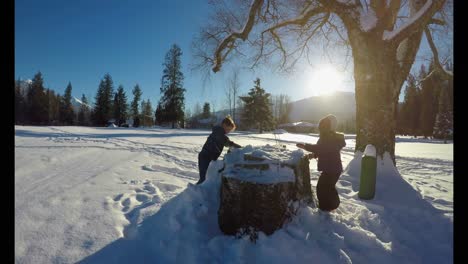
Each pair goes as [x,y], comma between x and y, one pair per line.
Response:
[325,80]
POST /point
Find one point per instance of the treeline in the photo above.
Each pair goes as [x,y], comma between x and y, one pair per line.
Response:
[427,109]
[37,105]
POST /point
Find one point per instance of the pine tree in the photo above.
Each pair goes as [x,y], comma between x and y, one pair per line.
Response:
[257,111]
[19,103]
[66,109]
[37,101]
[159,114]
[143,118]
[428,110]
[146,113]
[103,101]
[120,106]
[444,121]
[48,94]
[98,112]
[55,108]
[115,109]
[149,113]
[134,111]
[206,110]
[172,100]
[411,107]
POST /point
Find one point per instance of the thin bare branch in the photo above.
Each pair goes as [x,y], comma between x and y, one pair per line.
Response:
[256,5]
[338,32]
[278,40]
[302,20]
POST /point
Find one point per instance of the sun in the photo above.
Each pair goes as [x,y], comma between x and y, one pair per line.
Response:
[325,80]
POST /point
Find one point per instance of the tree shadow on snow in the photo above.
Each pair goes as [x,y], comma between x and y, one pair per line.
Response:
[415,226]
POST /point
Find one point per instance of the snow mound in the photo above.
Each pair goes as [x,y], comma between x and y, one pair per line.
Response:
[370,151]
[273,158]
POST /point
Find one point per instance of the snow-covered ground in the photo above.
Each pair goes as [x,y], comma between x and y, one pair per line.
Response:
[119,195]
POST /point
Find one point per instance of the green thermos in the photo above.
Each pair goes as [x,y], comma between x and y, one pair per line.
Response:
[368,173]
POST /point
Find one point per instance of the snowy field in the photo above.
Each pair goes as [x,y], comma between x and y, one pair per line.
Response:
[120,195]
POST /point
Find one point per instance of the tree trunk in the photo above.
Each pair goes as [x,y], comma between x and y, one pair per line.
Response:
[377,95]
[248,207]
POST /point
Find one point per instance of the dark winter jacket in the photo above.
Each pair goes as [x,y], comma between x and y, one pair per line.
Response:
[215,143]
[327,150]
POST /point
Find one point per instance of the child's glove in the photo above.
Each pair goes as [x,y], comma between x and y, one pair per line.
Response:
[300,145]
[236,145]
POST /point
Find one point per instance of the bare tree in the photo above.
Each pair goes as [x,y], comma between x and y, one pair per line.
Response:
[280,108]
[213,107]
[384,37]
[197,110]
[188,113]
[232,92]
[284,108]
[234,87]
[229,98]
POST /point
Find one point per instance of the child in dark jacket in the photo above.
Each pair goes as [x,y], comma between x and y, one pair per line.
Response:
[214,145]
[327,150]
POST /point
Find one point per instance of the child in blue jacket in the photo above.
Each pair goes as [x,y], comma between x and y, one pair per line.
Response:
[214,145]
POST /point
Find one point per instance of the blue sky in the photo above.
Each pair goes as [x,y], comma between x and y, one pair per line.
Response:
[80,41]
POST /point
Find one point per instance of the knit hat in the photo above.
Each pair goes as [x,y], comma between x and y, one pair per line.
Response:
[328,123]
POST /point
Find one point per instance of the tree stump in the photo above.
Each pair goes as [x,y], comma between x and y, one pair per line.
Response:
[261,189]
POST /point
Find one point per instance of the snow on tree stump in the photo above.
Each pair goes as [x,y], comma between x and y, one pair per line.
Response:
[261,189]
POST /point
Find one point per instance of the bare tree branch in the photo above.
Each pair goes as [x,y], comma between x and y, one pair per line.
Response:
[304,45]
[302,20]
[254,8]
[309,10]
[437,22]
[438,67]
[339,33]
[342,9]
[392,13]
[416,22]
[278,40]
[337,6]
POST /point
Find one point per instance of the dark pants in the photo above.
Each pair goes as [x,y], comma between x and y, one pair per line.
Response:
[326,193]
[203,163]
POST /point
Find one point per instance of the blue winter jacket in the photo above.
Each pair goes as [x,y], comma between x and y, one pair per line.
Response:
[215,143]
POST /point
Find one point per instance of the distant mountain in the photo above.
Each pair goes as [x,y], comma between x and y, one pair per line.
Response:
[24,86]
[312,109]
[77,103]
